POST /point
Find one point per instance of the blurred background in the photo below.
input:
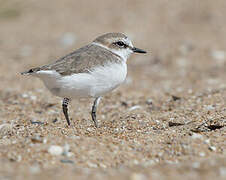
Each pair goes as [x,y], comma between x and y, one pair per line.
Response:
[181,79]
[184,38]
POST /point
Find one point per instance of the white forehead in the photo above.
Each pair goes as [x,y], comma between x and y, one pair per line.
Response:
[128,41]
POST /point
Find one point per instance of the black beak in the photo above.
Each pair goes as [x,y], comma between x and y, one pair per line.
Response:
[137,50]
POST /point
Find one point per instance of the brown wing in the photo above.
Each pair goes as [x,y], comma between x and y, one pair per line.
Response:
[81,60]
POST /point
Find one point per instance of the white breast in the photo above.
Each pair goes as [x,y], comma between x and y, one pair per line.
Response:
[98,82]
[108,78]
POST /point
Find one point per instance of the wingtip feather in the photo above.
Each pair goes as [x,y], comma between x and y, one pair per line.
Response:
[27,72]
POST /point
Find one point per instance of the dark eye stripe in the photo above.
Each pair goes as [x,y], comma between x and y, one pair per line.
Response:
[120,44]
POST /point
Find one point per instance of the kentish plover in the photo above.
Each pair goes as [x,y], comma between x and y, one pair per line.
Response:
[89,72]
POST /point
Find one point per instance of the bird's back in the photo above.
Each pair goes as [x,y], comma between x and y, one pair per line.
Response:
[80,61]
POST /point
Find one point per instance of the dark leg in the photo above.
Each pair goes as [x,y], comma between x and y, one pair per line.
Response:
[94,109]
[65,109]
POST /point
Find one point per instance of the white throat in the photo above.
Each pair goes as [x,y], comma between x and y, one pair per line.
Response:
[123,53]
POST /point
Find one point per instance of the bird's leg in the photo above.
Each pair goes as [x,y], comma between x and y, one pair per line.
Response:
[94,109]
[65,109]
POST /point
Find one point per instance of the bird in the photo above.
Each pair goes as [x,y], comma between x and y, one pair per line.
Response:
[88,72]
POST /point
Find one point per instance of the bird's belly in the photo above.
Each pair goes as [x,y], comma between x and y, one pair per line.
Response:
[98,82]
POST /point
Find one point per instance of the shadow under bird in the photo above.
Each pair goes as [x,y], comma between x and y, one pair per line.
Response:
[89,72]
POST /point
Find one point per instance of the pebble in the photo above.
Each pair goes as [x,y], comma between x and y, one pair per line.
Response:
[209,107]
[66,150]
[55,150]
[212,148]
[24,95]
[34,98]
[196,136]
[5,129]
[149,162]
[68,39]
[90,129]
[36,139]
[67,161]
[207,141]
[218,55]
[92,165]
[149,101]
[135,107]
[196,165]
[102,165]
[14,157]
[30,96]
[37,122]
[202,154]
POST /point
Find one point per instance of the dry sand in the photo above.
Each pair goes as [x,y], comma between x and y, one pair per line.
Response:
[167,121]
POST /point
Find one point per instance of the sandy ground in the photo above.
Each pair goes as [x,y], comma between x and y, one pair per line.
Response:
[167,121]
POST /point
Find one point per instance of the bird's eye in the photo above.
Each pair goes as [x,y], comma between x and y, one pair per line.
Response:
[120,43]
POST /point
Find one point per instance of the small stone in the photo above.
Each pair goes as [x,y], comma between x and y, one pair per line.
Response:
[160,154]
[149,162]
[37,139]
[212,148]
[196,136]
[67,161]
[218,55]
[196,165]
[55,120]
[92,165]
[170,123]
[135,107]
[207,141]
[135,161]
[202,154]
[102,165]
[55,150]
[14,157]
[37,122]
[66,147]
[149,101]
[210,107]
[175,98]
[5,129]
[123,103]
[90,129]
[66,151]
[24,95]
[44,140]
[33,98]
